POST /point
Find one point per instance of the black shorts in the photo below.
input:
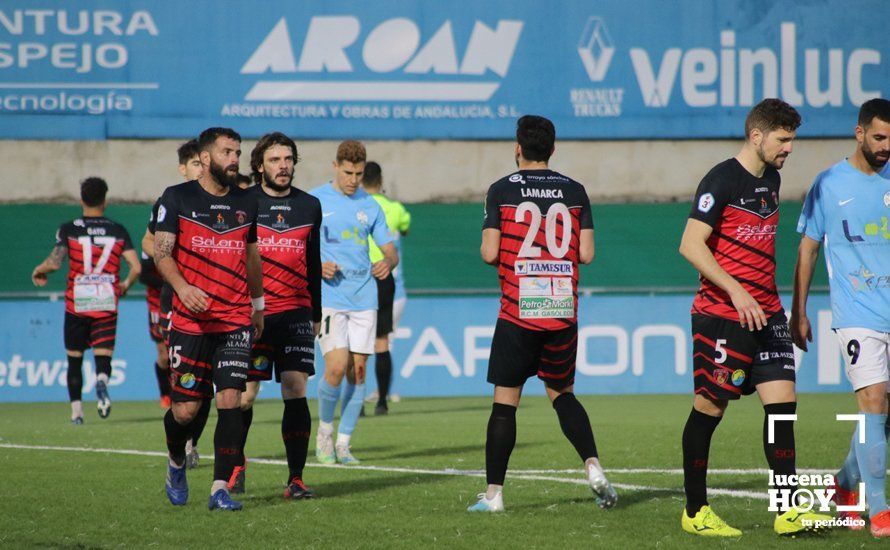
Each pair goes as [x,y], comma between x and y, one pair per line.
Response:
[386,293]
[87,332]
[518,353]
[730,361]
[287,344]
[200,361]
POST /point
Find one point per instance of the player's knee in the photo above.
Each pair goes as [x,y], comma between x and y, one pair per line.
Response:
[228,399]
[185,412]
[381,345]
[709,406]
[873,399]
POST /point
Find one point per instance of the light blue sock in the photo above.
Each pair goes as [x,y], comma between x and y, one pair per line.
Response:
[345,395]
[848,477]
[351,410]
[327,400]
[872,459]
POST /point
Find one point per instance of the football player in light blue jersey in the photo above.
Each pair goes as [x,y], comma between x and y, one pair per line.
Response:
[848,208]
[348,296]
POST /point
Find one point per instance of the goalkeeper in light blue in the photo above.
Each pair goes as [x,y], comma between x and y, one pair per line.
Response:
[847,209]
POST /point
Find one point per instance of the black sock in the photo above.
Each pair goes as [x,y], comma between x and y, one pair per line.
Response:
[780,454]
[75,378]
[575,425]
[103,365]
[200,421]
[246,421]
[226,442]
[383,371]
[163,376]
[296,425]
[499,442]
[696,447]
[177,435]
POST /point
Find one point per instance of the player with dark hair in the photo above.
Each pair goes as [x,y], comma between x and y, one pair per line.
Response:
[388,290]
[844,208]
[94,246]
[741,342]
[205,247]
[537,229]
[349,297]
[288,232]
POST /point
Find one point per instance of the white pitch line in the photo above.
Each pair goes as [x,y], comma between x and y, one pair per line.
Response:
[530,475]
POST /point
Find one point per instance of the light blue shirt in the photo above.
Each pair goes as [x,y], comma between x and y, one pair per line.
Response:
[848,211]
[345,225]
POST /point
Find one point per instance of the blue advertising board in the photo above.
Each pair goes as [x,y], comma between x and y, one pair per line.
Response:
[403,69]
[629,344]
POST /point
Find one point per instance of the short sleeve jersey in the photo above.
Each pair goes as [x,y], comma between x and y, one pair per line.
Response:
[95,248]
[540,214]
[347,222]
[848,211]
[743,211]
[211,237]
[288,231]
[398,219]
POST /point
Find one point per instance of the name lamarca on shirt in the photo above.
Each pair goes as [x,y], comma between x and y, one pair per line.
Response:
[541,193]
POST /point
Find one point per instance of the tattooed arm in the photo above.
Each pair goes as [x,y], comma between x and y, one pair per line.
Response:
[52,263]
[191,296]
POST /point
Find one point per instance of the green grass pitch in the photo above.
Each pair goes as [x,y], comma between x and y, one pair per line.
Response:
[420,469]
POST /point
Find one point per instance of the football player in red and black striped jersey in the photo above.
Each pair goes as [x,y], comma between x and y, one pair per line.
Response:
[537,229]
[205,247]
[288,229]
[741,341]
[94,246]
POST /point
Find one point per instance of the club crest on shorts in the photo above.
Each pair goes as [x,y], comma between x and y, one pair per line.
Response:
[738,377]
[261,363]
[187,381]
[721,376]
[887,199]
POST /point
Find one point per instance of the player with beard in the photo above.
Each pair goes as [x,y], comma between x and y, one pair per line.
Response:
[288,225]
[160,302]
[205,247]
[845,208]
[741,342]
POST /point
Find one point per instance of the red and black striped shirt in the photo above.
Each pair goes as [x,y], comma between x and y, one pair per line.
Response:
[540,214]
[288,231]
[95,247]
[212,234]
[744,213]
